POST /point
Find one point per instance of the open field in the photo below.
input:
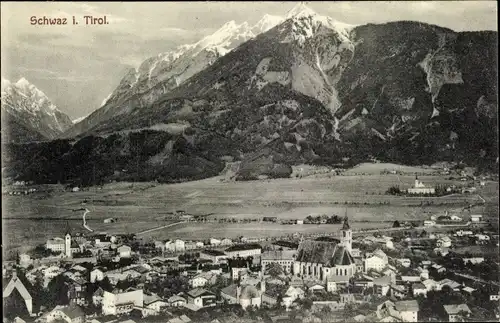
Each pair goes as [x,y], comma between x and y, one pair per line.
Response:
[142,206]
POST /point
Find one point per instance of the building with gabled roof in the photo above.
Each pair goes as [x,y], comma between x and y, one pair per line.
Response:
[321,258]
[456,312]
[16,284]
[69,314]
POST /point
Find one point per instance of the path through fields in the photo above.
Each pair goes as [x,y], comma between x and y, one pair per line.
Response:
[159,228]
[85,222]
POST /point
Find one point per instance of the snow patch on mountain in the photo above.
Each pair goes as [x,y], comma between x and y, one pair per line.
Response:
[32,108]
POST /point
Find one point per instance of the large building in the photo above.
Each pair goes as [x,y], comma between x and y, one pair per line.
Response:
[121,302]
[284,258]
[326,259]
[67,246]
[244,250]
[420,188]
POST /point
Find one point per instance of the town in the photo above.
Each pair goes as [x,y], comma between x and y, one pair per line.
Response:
[408,274]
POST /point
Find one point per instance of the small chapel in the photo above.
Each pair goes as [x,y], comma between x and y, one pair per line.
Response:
[322,259]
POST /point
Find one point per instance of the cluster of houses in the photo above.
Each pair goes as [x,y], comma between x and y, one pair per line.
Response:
[327,271]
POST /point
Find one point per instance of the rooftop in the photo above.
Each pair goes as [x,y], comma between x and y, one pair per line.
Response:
[407,306]
[213,252]
[242,247]
[455,309]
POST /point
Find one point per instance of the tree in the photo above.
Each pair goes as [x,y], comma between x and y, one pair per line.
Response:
[274,270]
[396,224]
[58,291]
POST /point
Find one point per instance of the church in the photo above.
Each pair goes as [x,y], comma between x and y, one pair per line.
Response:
[323,259]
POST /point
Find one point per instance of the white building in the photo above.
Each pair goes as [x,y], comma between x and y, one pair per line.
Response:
[69,314]
[476,218]
[405,262]
[124,251]
[420,188]
[245,250]
[443,242]
[376,261]
[454,312]
[96,275]
[175,246]
[429,223]
[247,296]
[121,302]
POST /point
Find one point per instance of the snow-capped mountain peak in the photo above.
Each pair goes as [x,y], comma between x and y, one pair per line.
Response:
[306,23]
[25,102]
[267,22]
[300,11]
[23,83]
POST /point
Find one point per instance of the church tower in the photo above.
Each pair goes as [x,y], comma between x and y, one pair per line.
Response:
[67,244]
[346,239]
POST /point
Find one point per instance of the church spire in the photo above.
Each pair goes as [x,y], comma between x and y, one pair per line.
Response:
[346,225]
[68,229]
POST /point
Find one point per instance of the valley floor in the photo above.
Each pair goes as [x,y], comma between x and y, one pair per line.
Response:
[138,207]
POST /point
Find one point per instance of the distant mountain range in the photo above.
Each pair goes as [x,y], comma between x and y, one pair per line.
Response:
[158,75]
[307,89]
[29,115]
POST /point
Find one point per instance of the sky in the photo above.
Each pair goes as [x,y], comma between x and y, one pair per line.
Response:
[77,66]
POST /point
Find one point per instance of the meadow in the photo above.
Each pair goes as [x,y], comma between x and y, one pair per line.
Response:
[142,206]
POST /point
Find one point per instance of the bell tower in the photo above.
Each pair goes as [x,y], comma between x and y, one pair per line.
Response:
[346,239]
[67,243]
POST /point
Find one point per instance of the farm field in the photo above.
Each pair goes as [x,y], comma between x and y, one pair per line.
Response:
[141,206]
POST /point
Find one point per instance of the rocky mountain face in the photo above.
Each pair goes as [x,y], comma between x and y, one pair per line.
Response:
[158,75]
[28,114]
[314,90]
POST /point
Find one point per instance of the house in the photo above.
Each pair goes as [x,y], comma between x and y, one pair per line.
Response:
[97,296]
[430,284]
[175,246]
[119,302]
[247,295]
[214,255]
[313,287]
[429,223]
[124,251]
[468,290]
[463,233]
[398,291]
[16,284]
[238,268]
[381,285]
[201,297]
[203,279]
[376,261]
[406,311]
[455,218]
[453,285]
[154,303]
[456,313]
[97,274]
[405,262]
[476,217]
[494,297]
[226,242]
[419,289]
[69,314]
[176,301]
[482,237]
[443,242]
[244,250]
[440,269]
[473,260]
